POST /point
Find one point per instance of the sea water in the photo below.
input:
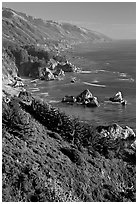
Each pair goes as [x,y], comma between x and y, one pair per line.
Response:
[107,69]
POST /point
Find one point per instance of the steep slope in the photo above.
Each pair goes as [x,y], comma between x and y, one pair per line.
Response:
[49,156]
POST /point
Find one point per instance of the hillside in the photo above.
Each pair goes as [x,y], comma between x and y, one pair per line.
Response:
[22,29]
[49,156]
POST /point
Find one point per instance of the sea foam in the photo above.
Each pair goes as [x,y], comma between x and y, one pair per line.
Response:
[99,85]
[45,93]
[85,72]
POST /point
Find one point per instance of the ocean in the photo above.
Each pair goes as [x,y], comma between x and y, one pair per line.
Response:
[107,68]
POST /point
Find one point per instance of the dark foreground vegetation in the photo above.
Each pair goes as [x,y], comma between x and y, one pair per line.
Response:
[49,156]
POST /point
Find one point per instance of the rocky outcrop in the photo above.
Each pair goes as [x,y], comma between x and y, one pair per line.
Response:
[114,131]
[67,67]
[73,80]
[85,98]
[118,98]
[92,102]
[45,74]
[18,84]
[17,78]
[59,73]
[52,64]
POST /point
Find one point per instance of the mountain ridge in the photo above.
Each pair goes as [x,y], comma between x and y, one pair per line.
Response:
[36,30]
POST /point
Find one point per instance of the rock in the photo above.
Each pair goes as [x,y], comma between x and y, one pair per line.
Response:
[17,78]
[52,64]
[114,131]
[67,67]
[128,133]
[93,102]
[69,99]
[84,96]
[123,102]
[117,98]
[133,145]
[45,74]
[73,80]
[34,81]
[17,84]
[59,73]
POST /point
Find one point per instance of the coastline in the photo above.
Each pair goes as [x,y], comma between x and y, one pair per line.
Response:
[68,102]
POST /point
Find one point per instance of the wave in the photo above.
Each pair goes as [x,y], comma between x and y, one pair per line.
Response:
[107,63]
[99,85]
[116,103]
[95,81]
[127,79]
[111,102]
[93,71]
[34,89]
[54,101]
[102,70]
[45,93]
[85,72]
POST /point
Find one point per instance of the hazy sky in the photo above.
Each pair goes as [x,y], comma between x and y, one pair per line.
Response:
[115,19]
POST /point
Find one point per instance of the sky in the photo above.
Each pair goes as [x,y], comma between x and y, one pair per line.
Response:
[114,19]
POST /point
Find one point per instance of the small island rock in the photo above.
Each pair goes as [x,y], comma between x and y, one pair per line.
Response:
[84,96]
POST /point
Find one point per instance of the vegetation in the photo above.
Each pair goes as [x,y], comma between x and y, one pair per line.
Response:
[27,58]
[49,156]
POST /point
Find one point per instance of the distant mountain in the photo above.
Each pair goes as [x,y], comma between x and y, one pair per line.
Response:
[23,29]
